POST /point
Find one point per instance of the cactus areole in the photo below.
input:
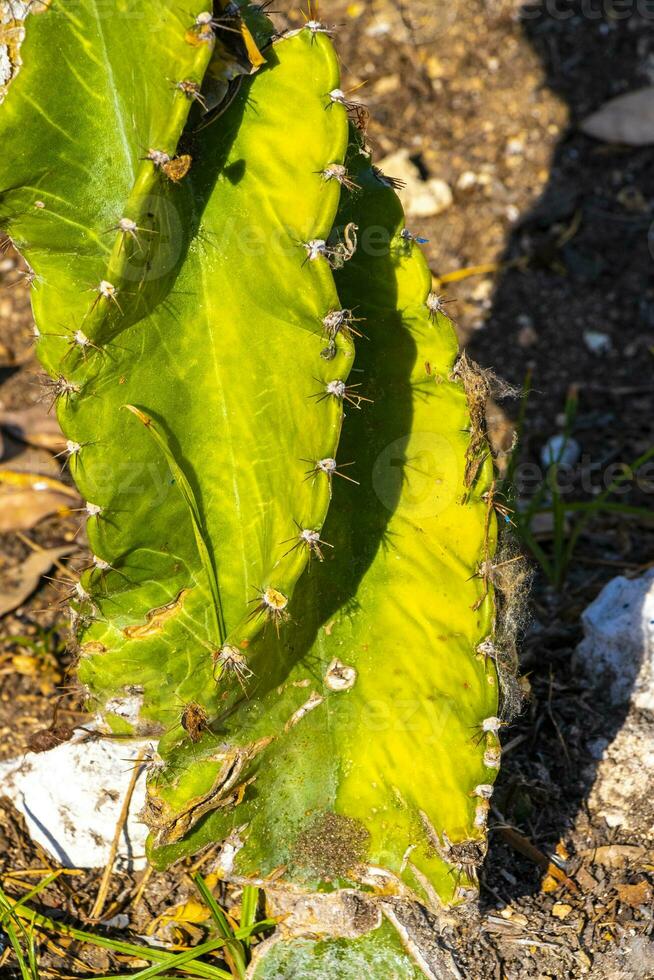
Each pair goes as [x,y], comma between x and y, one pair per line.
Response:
[290,496]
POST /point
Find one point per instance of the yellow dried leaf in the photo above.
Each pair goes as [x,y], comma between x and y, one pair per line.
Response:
[25,665]
[561,911]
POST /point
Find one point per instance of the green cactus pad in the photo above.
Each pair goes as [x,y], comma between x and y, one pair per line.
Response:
[378,954]
[379,769]
[337,730]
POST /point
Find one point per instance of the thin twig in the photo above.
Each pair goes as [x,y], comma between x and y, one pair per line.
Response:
[147,874]
[101,897]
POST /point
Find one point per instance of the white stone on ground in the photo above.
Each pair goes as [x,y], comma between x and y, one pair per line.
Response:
[71,798]
[617,651]
[617,657]
[420,198]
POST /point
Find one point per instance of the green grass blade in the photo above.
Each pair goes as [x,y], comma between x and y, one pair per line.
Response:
[221,921]
[203,970]
[181,959]
[249,903]
[28,971]
[17,903]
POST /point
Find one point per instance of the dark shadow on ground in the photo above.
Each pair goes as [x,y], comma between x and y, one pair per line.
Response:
[580,261]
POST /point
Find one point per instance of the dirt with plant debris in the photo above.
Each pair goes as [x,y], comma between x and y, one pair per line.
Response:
[486,98]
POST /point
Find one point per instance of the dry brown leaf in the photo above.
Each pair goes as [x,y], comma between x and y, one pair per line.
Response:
[26,498]
[615,855]
[33,459]
[627,119]
[635,895]
[21,580]
[35,426]
[21,510]
[585,880]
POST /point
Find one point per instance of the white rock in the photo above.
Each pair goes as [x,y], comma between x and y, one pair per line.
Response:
[624,780]
[420,198]
[628,118]
[561,450]
[71,798]
[379,28]
[597,342]
[617,651]
[466,180]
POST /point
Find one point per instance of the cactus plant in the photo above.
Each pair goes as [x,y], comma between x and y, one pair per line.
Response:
[302,616]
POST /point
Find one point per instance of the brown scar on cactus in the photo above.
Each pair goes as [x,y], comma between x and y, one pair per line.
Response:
[479,384]
[463,858]
[314,701]
[477,388]
[194,721]
[156,619]
[175,168]
[227,790]
[493,757]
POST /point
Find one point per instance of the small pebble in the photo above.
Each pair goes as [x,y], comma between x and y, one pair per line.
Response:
[561,450]
[597,342]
